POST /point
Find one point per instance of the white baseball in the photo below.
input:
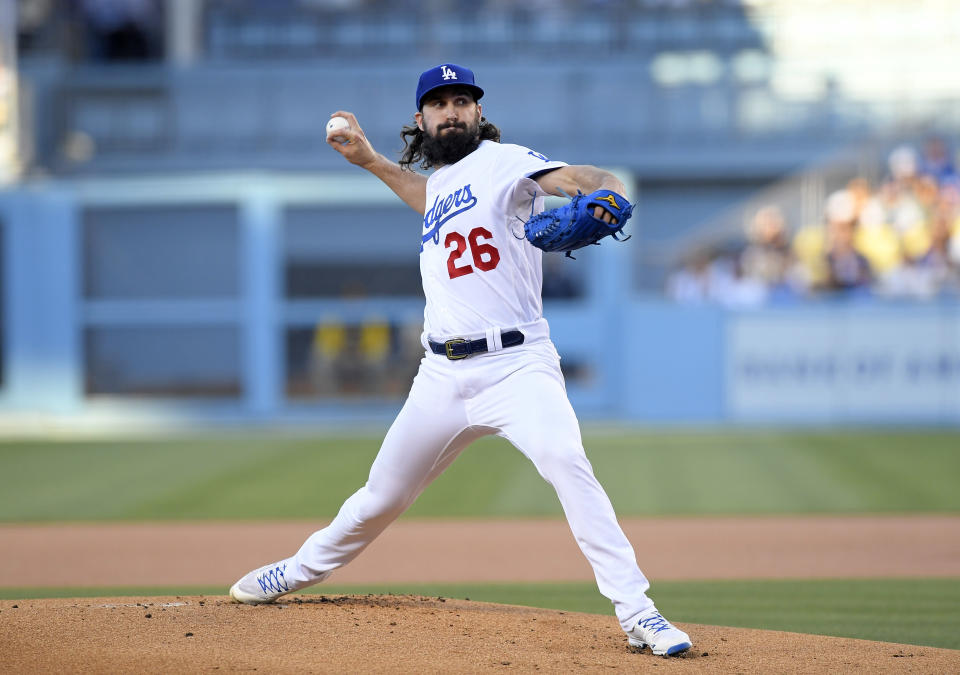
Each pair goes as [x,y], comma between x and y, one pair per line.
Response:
[336,124]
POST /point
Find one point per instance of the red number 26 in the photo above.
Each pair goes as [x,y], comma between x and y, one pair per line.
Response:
[485,256]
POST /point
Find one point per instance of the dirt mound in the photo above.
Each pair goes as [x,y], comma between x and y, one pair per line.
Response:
[396,634]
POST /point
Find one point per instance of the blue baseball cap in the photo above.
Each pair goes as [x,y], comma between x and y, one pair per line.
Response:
[445,75]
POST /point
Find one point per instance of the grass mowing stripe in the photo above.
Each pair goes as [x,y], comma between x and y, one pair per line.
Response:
[40,592]
[911,611]
[274,476]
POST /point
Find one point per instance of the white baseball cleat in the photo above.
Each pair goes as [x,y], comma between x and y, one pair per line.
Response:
[262,585]
[663,638]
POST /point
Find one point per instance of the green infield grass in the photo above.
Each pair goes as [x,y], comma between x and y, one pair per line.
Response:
[910,611]
[269,476]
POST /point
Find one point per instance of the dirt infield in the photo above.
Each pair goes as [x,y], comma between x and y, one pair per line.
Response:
[211,553]
[404,634]
[414,634]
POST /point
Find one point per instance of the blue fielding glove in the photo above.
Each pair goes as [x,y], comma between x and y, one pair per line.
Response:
[573,225]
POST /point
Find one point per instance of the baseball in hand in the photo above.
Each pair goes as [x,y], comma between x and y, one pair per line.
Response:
[336,124]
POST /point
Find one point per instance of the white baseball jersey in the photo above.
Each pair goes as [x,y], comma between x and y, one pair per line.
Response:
[478,271]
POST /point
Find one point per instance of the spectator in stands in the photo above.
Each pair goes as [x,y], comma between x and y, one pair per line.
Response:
[828,256]
[847,268]
[716,276]
[875,237]
[730,287]
[688,284]
[899,193]
[767,257]
[937,161]
[937,270]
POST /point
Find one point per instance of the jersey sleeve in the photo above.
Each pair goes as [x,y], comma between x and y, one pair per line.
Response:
[513,172]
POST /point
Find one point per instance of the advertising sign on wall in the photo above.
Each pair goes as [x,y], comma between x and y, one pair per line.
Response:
[896,366]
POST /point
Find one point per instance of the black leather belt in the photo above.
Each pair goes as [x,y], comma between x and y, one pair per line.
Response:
[459,348]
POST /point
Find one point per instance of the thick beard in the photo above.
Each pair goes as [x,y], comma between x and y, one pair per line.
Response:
[452,146]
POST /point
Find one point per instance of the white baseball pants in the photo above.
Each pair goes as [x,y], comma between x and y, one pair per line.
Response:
[519,394]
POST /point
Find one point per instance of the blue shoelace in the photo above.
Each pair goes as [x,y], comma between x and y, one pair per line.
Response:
[656,623]
[273,580]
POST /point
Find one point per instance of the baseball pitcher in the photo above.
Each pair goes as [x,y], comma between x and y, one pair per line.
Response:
[489,366]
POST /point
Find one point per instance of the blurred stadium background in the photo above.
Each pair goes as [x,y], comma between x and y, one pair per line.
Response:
[179,246]
[180,250]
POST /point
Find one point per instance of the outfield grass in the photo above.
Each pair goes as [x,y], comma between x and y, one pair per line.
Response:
[262,476]
[911,611]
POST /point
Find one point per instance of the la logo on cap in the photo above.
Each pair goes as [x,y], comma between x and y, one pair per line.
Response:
[443,75]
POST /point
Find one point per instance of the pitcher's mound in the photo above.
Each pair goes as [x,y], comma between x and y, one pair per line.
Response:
[402,634]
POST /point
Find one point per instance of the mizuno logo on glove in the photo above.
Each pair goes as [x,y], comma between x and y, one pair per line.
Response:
[610,200]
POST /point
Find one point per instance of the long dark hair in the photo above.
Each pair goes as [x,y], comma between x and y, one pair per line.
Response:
[413,143]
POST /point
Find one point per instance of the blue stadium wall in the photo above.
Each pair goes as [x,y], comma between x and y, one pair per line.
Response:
[82,303]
